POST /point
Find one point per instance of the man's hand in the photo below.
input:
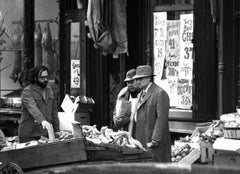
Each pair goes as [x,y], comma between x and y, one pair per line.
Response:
[46,125]
[151,144]
[61,134]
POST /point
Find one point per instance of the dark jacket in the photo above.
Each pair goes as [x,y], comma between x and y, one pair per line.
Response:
[35,109]
[152,122]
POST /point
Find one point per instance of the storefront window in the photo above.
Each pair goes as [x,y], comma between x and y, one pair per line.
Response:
[75,55]
[11,39]
[173,55]
[46,41]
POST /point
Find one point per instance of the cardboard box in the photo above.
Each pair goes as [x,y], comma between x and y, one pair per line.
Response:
[83,118]
[77,106]
[74,111]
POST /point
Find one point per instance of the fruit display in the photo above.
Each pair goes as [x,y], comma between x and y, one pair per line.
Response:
[106,135]
[179,152]
[186,139]
[232,124]
[13,143]
[231,120]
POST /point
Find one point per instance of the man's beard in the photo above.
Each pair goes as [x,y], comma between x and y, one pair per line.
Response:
[42,84]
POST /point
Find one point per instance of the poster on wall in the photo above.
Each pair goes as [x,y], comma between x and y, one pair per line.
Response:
[160,35]
[172,49]
[75,74]
[184,91]
[186,47]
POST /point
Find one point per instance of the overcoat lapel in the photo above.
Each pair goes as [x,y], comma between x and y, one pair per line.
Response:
[37,89]
[148,94]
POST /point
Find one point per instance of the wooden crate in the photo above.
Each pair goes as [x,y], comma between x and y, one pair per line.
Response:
[46,154]
[112,152]
[232,133]
[206,151]
[193,156]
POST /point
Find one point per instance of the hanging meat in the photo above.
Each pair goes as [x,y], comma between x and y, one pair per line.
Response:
[98,21]
[107,24]
[47,52]
[16,44]
[37,45]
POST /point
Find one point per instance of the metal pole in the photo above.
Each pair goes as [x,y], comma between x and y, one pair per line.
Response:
[220,59]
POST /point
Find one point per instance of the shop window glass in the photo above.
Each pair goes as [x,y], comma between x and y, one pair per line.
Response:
[173,55]
[11,46]
[46,40]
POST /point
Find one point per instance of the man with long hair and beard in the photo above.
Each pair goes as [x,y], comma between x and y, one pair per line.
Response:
[39,107]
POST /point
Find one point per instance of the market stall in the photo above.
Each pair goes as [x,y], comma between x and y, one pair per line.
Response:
[86,144]
[227,148]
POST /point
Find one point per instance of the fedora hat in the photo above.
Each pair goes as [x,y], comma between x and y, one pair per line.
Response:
[143,71]
[129,75]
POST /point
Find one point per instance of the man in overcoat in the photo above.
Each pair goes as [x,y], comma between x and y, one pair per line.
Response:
[151,119]
[128,93]
[39,107]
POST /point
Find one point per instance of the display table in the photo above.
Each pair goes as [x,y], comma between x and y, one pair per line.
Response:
[76,150]
[227,152]
[46,154]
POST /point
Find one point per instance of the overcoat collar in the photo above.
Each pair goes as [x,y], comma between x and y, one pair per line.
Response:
[148,94]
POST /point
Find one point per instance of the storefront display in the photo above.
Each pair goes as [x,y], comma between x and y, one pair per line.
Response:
[173,56]
[92,145]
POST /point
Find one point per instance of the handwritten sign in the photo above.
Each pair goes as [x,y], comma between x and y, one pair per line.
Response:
[184,92]
[173,89]
[160,28]
[172,49]
[75,74]
[186,47]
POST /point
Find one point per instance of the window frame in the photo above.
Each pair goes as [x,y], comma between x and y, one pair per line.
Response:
[175,113]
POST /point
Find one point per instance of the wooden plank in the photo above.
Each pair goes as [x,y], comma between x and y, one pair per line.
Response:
[191,157]
[137,168]
[46,154]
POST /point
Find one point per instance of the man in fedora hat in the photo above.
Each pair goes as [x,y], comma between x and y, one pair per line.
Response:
[151,119]
[126,101]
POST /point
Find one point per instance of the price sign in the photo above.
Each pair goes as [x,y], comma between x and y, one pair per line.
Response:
[172,49]
[75,74]
[184,91]
[160,24]
[186,46]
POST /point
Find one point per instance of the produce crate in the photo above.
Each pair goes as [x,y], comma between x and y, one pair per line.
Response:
[193,156]
[205,148]
[193,145]
[113,152]
[206,151]
[46,154]
[231,133]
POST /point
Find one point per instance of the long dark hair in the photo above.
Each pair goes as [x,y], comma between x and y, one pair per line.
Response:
[35,71]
